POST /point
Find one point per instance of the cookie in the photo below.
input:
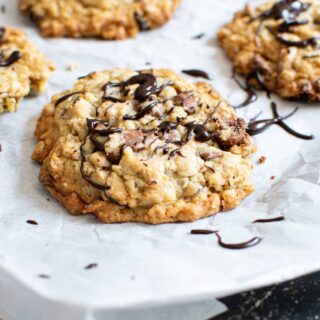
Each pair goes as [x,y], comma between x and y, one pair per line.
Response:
[143,146]
[116,19]
[23,70]
[276,46]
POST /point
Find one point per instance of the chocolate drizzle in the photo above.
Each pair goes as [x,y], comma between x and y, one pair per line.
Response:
[197,73]
[313,41]
[277,219]
[289,10]
[142,112]
[65,97]
[202,231]
[251,94]
[175,152]
[286,25]
[255,127]
[238,246]
[106,96]
[167,126]
[97,127]
[13,57]
[232,246]
[199,131]
[147,85]
[285,9]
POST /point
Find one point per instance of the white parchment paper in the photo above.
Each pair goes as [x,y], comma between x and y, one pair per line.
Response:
[141,265]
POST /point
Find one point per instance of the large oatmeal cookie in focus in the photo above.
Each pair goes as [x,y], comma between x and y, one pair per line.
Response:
[23,70]
[143,146]
[108,19]
[277,46]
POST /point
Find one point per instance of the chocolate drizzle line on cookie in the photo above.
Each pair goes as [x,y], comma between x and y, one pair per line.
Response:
[14,57]
[300,44]
[92,125]
[289,10]
[144,94]
[197,73]
[233,246]
[142,112]
[286,25]
[65,97]
[147,86]
[255,127]
[277,219]
[285,9]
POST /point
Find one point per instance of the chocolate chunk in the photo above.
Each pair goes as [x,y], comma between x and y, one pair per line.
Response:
[188,101]
[238,133]
[210,155]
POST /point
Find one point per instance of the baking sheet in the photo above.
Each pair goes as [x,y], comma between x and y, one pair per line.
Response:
[141,265]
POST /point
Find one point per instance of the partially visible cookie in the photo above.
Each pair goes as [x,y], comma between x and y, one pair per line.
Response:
[23,70]
[143,146]
[277,47]
[108,19]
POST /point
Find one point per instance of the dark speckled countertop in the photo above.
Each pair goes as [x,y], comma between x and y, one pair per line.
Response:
[293,300]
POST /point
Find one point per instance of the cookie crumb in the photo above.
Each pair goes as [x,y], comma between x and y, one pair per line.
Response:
[72,66]
[272,177]
[33,222]
[91,266]
[262,160]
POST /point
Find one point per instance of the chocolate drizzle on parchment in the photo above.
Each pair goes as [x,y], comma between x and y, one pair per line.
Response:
[197,73]
[255,127]
[232,246]
[277,219]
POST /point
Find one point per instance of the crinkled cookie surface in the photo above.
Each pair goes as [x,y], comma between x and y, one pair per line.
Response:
[23,70]
[143,146]
[108,19]
[277,47]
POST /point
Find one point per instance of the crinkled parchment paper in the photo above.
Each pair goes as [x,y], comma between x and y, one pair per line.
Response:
[141,265]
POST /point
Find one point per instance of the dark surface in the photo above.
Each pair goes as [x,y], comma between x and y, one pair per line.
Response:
[293,300]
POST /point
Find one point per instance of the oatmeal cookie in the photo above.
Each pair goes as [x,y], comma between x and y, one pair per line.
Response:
[143,146]
[108,19]
[23,70]
[277,47]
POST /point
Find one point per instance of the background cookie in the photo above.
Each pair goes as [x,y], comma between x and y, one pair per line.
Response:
[147,147]
[276,46]
[23,70]
[116,19]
